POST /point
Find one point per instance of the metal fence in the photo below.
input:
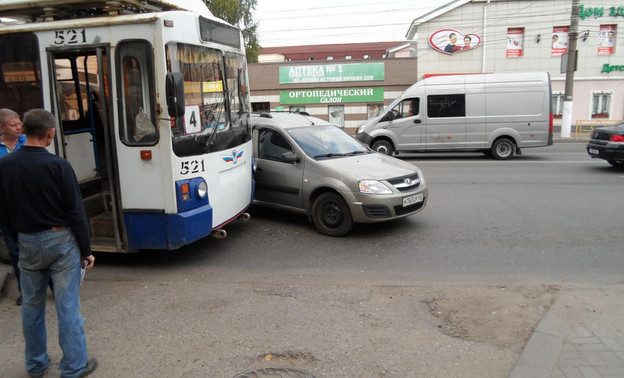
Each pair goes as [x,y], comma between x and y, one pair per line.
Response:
[586,126]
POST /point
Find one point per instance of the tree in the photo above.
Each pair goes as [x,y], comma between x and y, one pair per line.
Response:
[239,13]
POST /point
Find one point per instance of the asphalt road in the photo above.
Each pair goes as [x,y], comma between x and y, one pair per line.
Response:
[552,213]
[496,241]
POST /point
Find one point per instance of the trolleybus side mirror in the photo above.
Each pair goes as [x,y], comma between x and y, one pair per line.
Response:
[175,94]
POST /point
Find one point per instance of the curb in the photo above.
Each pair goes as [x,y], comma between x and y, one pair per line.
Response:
[539,357]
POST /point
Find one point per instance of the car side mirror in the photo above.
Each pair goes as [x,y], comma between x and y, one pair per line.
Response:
[388,117]
[289,157]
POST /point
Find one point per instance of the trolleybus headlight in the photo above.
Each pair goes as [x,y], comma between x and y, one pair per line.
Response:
[202,189]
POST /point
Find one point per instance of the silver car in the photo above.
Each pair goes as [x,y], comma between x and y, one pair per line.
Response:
[309,166]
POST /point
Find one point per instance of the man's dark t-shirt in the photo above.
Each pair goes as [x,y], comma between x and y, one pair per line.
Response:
[38,191]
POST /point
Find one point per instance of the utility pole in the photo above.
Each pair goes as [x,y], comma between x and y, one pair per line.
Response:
[566,119]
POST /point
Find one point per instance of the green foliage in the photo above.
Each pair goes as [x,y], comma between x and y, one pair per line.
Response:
[239,13]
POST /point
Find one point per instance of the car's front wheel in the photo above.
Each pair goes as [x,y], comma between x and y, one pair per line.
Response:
[331,215]
[616,163]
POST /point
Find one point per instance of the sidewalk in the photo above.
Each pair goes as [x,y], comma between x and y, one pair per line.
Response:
[581,335]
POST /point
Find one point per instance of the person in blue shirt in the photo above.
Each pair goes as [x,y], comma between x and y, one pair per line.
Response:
[10,140]
[11,137]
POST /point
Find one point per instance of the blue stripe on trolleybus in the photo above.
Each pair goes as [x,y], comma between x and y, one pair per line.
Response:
[167,231]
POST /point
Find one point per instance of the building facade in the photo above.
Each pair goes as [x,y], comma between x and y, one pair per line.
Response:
[347,84]
[469,36]
[344,84]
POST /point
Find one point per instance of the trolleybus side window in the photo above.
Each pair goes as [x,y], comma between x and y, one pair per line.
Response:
[20,72]
[135,86]
[214,119]
[237,86]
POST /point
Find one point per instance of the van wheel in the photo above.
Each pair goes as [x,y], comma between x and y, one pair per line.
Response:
[503,149]
[383,147]
[331,215]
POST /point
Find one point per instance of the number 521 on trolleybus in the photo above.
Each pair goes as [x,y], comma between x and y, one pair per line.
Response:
[153,110]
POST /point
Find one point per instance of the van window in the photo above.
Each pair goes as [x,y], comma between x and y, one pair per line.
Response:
[453,105]
[406,108]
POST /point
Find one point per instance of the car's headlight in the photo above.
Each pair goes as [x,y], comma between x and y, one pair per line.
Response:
[421,177]
[373,187]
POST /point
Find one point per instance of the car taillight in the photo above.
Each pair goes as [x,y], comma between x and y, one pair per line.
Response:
[551,126]
[617,138]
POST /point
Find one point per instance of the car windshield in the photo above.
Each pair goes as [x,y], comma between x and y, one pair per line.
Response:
[326,141]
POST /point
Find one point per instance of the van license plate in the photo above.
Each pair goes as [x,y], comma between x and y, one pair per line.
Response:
[593,151]
[407,201]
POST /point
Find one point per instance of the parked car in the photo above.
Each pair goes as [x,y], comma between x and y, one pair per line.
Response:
[309,166]
[608,143]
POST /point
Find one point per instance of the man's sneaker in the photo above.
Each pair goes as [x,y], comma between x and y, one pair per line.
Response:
[90,367]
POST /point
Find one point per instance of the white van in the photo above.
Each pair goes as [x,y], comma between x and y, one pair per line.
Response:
[497,114]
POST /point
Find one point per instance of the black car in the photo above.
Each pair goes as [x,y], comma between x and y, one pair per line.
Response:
[608,143]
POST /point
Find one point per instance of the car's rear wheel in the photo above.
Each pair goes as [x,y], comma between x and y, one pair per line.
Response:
[383,147]
[503,149]
[331,215]
[616,163]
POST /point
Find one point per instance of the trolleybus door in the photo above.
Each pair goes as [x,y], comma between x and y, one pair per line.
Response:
[81,96]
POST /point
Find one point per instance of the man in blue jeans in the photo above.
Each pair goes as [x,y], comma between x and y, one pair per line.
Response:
[11,139]
[41,208]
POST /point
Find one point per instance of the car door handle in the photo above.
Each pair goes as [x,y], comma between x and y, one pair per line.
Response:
[417,121]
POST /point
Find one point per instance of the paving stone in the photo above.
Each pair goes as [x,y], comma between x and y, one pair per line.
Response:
[582,331]
[612,343]
[571,372]
[589,372]
[611,359]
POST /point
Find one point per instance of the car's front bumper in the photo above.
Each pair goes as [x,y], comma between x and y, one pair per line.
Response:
[368,208]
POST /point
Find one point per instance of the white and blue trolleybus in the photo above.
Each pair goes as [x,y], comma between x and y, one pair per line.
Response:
[153,109]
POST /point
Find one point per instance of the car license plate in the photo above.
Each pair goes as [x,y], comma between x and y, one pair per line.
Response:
[593,151]
[407,201]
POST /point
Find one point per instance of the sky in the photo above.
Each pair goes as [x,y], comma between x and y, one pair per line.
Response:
[294,23]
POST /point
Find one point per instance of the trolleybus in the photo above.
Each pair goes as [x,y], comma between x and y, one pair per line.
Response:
[153,110]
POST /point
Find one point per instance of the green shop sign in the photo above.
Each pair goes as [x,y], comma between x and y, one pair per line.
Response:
[607,68]
[600,11]
[331,96]
[331,73]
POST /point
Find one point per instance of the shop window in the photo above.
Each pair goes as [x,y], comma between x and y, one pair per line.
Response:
[348,57]
[366,56]
[601,104]
[330,58]
[296,109]
[336,115]
[261,106]
[374,110]
[557,105]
